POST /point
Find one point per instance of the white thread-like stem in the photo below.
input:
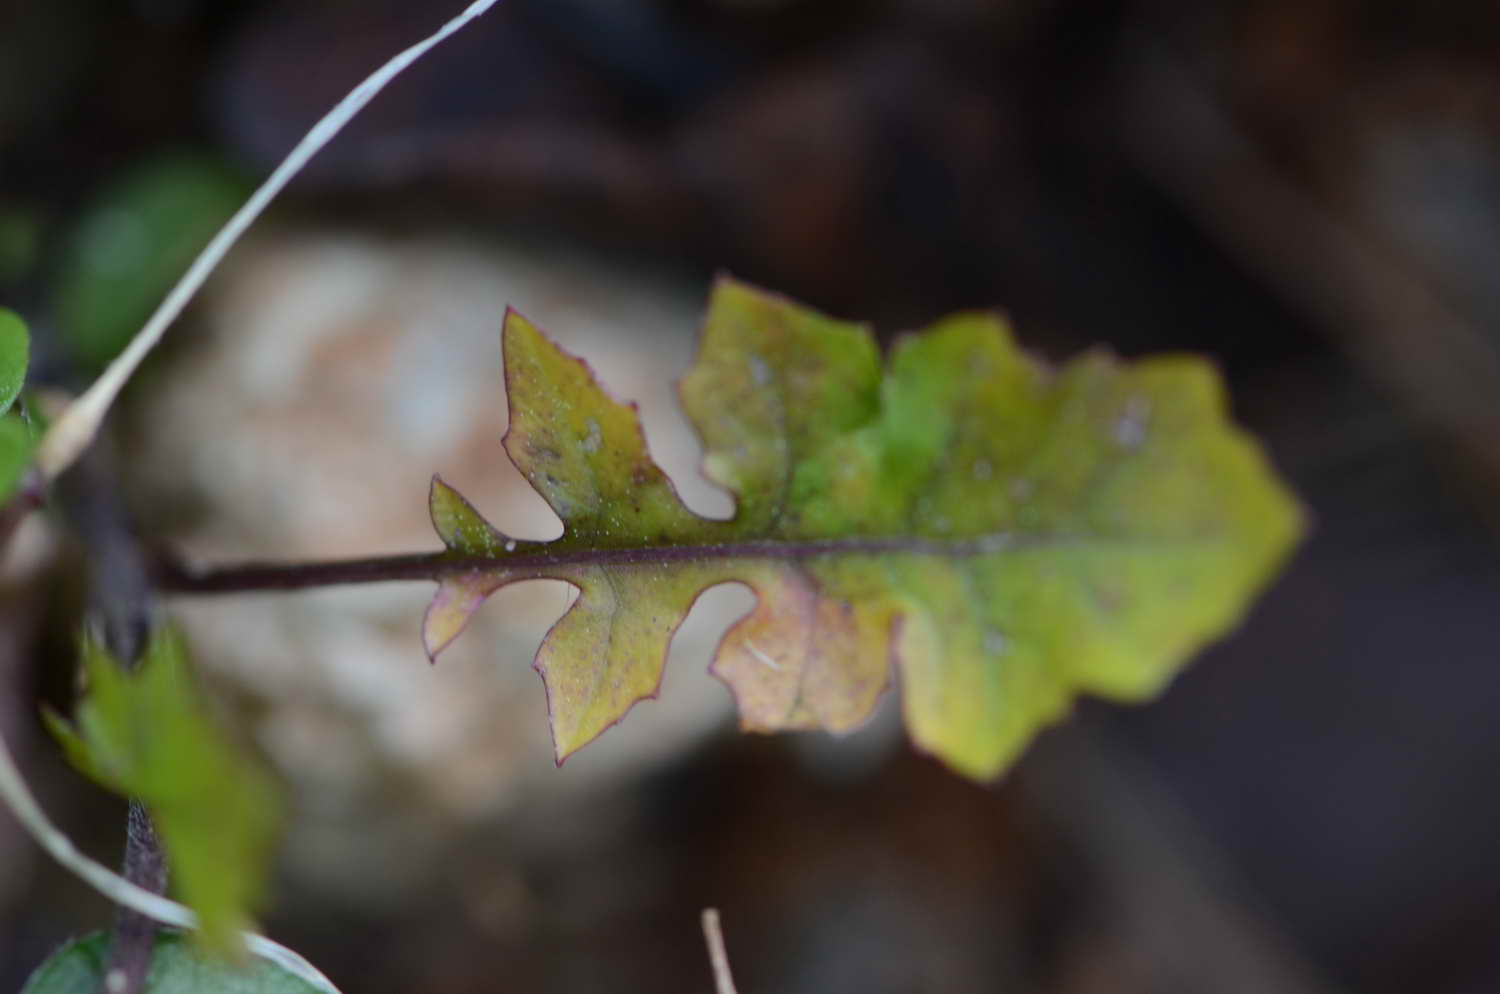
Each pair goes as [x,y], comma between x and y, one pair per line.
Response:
[718,956]
[76,427]
[29,813]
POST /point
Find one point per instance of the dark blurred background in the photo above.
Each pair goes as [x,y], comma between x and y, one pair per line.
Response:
[1306,190]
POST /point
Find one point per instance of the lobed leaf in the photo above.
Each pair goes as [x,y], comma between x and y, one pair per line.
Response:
[1004,535]
[144,734]
[176,968]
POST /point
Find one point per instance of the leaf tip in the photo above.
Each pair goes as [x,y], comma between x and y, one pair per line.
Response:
[515,324]
[578,716]
[432,643]
[435,488]
[452,606]
[460,525]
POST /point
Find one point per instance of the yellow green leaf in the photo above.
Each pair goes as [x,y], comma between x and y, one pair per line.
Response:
[1003,534]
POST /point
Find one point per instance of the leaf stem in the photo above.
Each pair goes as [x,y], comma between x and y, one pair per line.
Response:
[718,956]
[538,560]
[134,935]
[172,576]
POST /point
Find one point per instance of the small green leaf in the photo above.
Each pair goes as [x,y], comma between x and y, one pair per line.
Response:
[15,453]
[15,352]
[176,968]
[145,735]
[1004,535]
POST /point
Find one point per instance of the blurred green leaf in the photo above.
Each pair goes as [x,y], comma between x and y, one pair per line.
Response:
[20,239]
[15,453]
[146,735]
[176,968]
[15,353]
[128,250]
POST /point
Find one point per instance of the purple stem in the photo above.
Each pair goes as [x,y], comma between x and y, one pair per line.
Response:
[536,559]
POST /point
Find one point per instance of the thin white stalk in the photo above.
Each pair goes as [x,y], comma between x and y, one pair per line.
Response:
[29,813]
[718,957]
[76,427]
